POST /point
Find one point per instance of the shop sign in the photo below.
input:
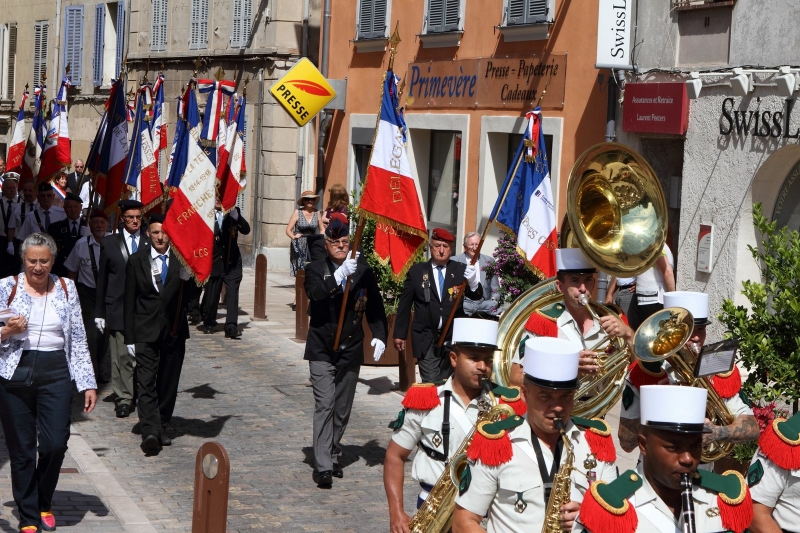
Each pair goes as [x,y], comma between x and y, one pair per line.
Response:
[504,83]
[655,108]
[303,91]
[758,122]
[614,34]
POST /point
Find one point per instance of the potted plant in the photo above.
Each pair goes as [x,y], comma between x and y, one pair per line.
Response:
[514,275]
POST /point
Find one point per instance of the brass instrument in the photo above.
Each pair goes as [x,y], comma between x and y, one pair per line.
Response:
[562,484]
[662,337]
[436,513]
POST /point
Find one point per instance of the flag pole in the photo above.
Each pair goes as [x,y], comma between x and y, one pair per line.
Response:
[356,242]
[475,257]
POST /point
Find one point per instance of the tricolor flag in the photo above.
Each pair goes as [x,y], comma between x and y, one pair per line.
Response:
[231,170]
[390,192]
[188,122]
[33,148]
[17,149]
[528,211]
[57,153]
[180,126]
[114,149]
[225,120]
[190,219]
[159,126]
[211,119]
[141,170]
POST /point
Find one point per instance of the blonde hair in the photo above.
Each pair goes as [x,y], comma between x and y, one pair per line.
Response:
[337,197]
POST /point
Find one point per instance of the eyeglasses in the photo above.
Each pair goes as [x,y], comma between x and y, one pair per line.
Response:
[340,242]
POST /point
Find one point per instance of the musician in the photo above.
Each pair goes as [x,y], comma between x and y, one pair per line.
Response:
[43,215]
[571,320]
[776,489]
[667,493]
[513,463]
[433,289]
[728,386]
[437,419]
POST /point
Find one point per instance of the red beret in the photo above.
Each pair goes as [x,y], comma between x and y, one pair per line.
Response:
[441,234]
[340,217]
[98,213]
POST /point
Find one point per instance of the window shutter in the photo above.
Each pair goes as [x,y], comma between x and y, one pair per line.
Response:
[365,19]
[247,21]
[537,11]
[97,57]
[73,42]
[451,15]
[379,18]
[158,40]
[436,16]
[12,60]
[515,12]
[236,34]
[120,36]
[198,38]
[40,33]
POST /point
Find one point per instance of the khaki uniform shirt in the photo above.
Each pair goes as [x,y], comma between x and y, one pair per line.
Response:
[497,489]
[779,489]
[425,427]
[569,330]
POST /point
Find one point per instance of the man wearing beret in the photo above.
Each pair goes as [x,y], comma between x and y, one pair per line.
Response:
[334,374]
[433,289]
[43,215]
[67,232]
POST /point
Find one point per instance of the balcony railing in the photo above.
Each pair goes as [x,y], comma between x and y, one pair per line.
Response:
[700,4]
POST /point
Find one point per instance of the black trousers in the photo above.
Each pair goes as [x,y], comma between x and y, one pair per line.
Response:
[432,368]
[88,296]
[192,295]
[41,410]
[231,279]
[158,371]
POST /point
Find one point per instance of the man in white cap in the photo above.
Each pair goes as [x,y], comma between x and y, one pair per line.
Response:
[571,320]
[744,427]
[437,419]
[513,486]
[667,492]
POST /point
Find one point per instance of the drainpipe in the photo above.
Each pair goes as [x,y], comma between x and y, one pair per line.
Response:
[324,118]
[258,207]
[55,77]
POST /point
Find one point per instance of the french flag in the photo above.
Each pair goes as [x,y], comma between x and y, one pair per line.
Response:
[57,153]
[225,120]
[33,148]
[114,149]
[231,172]
[141,170]
[159,126]
[390,192]
[190,219]
[17,149]
[211,119]
[528,211]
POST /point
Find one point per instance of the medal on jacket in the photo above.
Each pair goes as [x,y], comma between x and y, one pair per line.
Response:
[425,283]
[436,439]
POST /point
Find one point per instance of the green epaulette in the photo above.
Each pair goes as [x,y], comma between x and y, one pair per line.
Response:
[552,311]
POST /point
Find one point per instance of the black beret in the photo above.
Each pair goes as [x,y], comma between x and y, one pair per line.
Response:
[124,205]
[338,227]
[157,218]
[74,197]
[44,187]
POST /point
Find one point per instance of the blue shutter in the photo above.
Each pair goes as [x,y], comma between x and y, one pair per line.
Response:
[120,36]
[198,33]
[247,21]
[451,15]
[436,16]
[99,30]
[41,30]
[536,12]
[158,38]
[515,12]
[242,20]
[73,42]
[11,68]
[365,10]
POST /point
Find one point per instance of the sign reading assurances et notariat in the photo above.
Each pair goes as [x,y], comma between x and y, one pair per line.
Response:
[655,108]
[303,91]
[505,82]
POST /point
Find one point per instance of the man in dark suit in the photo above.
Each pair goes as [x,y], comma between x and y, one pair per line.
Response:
[114,253]
[156,330]
[227,269]
[74,179]
[67,232]
[432,287]
[334,374]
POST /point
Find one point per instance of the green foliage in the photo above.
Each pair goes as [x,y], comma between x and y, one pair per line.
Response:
[509,266]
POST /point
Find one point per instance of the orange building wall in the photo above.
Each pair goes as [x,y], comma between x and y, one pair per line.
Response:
[574,32]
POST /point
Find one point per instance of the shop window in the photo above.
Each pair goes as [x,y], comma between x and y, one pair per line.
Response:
[362,153]
[109,24]
[158,35]
[444,180]
[40,32]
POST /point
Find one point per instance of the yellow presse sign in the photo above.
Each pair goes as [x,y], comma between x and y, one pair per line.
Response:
[303,91]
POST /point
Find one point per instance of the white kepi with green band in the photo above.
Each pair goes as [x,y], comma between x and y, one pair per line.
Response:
[694,302]
[673,408]
[551,363]
[475,333]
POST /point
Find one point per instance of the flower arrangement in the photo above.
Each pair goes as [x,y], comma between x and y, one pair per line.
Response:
[514,275]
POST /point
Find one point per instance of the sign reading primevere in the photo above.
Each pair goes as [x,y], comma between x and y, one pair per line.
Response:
[303,91]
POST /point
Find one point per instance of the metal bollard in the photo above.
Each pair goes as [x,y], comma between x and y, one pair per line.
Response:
[301,317]
[260,304]
[212,473]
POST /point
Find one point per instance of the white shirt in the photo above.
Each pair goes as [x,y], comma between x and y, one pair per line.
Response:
[157,265]
[31,225]
[650,285]
[436,283]
[79,261]
[44,332]
[7,211]
[136,237]
[84,194]
[779,489]
[18,211]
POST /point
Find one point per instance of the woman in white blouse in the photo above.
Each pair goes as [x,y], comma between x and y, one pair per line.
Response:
[43,350]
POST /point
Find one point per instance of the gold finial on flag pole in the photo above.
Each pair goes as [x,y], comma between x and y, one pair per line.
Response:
[393,42]
[244,91]
[220,74]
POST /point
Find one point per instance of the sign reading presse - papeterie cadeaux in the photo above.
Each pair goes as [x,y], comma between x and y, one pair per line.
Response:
[614,34]
[655,108]
[303,91]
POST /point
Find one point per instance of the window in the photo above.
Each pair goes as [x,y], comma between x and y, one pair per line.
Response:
[371,19]
[198,38]
[73,42]
[526,11]
[9,60]
[158,39]
[444,179]
[40,31]
[242,21]
[443,15]
[109,27]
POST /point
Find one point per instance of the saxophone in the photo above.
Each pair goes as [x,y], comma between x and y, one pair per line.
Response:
[436,513]
[562,485]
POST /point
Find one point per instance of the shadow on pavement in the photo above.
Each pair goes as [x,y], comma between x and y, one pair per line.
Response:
[372,453]
[78,503]
[196,427]
[205,391]
[380,385]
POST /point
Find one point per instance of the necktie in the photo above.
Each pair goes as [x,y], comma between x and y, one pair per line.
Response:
[219,220]
[46,220]
[163,268]
[441,282]
[74,229]
[134,246]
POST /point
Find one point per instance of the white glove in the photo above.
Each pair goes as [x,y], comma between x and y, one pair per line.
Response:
[235,213]
[10,248]
[184,274]
[347,269]
[380,347]
[131,350]
[472,276]
[100,323]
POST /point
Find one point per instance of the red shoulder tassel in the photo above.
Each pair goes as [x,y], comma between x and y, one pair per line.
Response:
[519,406]
[639,376]
[624,319]
[727,385]
[784,454]
[422,396]
[600,519]
[602,445]
[736,514]
[491,451]
[541,326]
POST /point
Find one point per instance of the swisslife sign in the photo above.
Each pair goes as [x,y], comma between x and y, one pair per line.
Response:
[303,91]
[614,34]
